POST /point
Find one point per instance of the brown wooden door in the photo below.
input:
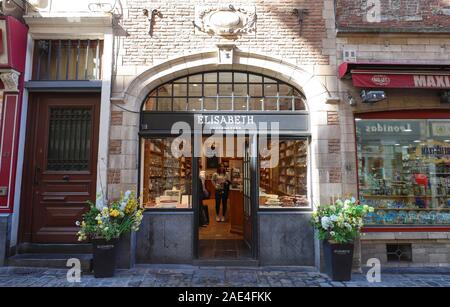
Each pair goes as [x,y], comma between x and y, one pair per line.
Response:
[64,164]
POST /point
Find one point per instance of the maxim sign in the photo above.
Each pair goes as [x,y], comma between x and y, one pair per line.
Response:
[427,81]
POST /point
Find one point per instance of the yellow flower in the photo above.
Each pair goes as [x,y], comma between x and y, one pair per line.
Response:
[114,213]
[99,222]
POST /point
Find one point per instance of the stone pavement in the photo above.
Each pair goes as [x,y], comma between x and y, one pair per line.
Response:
[191,276]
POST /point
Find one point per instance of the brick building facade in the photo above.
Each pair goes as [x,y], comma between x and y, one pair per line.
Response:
[302,44]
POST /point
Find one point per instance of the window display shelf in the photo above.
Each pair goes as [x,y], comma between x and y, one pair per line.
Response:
[405,196]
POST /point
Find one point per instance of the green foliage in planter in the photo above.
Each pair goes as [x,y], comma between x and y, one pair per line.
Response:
[110,221]
[340,222]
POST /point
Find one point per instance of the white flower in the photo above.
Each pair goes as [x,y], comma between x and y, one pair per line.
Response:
[77,223]
[326,222]
[100,202]
[332,233]
[127,194]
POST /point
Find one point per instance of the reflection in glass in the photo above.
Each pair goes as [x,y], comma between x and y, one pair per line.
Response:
[284,184]
[404,171]
[230,85]
[167,180]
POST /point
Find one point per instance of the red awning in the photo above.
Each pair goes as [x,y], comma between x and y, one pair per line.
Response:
[428,75]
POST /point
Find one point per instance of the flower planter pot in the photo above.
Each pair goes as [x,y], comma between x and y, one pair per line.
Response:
[104,258]
[338,260]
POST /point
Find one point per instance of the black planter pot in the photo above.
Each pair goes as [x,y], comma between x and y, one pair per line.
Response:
[104,257]
[338,260]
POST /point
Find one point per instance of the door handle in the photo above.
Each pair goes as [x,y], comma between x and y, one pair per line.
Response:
[37,172]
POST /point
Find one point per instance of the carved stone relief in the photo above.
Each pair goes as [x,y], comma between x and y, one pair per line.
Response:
[225,20]
[10,81]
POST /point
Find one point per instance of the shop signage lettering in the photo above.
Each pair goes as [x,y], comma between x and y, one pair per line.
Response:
[388,128]
[225,119]
[436,150]
[368,80]
[432,81]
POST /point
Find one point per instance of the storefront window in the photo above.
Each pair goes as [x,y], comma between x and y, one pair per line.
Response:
[166,180]
[225,91]
[283,184]
[404,171]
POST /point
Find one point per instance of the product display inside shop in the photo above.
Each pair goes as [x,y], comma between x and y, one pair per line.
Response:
[166,180]
[404,171]
[284,184]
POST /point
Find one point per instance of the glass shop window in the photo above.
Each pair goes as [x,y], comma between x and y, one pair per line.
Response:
[404,171]
[166,179]
[58,60]
[283,179]
[225,91]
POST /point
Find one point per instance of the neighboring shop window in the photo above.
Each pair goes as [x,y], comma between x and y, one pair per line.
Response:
[67,59]
[284,184]
[404,171]
[225,91]
[167,180]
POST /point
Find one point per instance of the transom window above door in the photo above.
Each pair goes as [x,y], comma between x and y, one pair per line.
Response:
[58,60]
[225,91]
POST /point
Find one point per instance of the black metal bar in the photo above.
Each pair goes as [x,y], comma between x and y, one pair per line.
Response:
[49,59]
[97,61]
[69,51]
[38,51]
[87,59]
[58,60]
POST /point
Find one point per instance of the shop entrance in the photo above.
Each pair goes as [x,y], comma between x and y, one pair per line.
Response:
[225,219]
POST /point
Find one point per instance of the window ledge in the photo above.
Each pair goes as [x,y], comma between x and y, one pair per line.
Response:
[85,85]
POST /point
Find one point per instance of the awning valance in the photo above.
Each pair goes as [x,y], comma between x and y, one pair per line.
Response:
[427,75]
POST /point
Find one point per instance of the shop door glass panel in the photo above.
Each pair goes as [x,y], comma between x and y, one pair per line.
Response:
[247,179]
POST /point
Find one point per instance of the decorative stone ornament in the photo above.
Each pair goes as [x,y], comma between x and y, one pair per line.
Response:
[10,80]
[225,53]
[225,20]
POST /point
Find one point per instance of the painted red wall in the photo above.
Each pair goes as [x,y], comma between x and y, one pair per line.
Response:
[16,38]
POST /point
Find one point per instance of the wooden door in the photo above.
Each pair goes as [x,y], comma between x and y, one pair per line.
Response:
[63,169]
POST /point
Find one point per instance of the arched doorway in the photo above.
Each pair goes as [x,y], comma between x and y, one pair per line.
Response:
[228,100]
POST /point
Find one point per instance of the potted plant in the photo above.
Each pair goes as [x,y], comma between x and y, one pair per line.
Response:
[104,224]
[338,225]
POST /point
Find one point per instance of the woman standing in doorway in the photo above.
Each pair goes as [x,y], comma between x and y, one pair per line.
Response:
[222,184]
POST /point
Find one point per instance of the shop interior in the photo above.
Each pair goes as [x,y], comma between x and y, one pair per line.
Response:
[404,171]
[167,184]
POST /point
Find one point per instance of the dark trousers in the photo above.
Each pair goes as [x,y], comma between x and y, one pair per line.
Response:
[221,196]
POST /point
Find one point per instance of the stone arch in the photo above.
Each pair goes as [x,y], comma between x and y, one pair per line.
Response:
[315,92]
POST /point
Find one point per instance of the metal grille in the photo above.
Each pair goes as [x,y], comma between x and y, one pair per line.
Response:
[69,142]
[399,252]
[67,60]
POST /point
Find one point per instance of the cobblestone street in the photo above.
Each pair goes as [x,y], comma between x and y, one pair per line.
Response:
[190,276]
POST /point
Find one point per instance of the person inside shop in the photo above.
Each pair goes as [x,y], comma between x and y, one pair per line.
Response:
[203,194]
[222,184]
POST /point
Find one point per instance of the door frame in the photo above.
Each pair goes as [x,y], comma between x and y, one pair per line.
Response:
[254,190]
[28,173]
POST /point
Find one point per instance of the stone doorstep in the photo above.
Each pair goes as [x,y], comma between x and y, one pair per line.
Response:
[435,270]
[49,261]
